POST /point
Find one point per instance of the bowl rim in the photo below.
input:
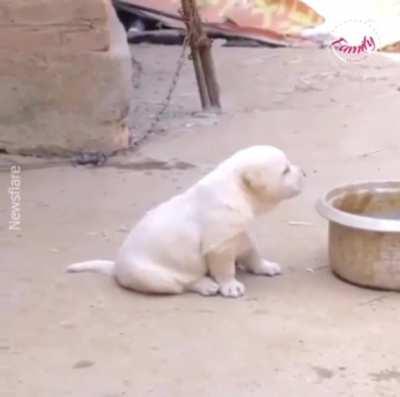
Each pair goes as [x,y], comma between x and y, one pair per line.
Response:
[325,208]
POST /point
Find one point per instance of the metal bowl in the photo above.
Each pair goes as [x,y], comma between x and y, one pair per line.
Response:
[364,233]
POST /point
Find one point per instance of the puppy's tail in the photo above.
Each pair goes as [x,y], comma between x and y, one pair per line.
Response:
[96,266]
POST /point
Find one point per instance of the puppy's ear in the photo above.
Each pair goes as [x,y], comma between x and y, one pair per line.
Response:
[254,180]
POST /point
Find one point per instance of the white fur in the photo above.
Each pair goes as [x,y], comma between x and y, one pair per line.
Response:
[194,241]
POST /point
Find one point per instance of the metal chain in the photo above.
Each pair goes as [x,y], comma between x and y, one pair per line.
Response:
[174,83]
[99,159]
[165,104]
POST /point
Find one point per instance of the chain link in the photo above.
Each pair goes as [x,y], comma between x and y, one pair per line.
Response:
[158,115]
[174,83]
[99,159]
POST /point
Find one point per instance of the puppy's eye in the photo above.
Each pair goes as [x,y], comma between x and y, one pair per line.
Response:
[287,170]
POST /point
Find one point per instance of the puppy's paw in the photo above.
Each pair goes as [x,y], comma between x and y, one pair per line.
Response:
[232,289]
[205,286]
[267,268]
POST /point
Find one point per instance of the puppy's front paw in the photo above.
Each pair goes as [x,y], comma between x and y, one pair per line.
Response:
[267,268]
[232,289]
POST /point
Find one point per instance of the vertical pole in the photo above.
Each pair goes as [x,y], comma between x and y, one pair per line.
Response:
[211,79]
[201,80]
[203,63]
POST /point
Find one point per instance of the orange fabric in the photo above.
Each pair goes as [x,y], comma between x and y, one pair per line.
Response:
[258,17]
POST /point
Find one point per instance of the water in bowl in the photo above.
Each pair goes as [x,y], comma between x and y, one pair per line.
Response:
[372,203]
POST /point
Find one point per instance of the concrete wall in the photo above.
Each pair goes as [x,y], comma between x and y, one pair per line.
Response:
[65,77]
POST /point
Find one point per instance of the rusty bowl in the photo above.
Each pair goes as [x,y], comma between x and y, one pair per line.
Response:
[364,233]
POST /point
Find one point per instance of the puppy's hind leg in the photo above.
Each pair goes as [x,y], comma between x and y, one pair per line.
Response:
[149,279]
[206,286]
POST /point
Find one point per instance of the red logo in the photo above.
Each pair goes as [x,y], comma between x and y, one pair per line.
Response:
[366,46]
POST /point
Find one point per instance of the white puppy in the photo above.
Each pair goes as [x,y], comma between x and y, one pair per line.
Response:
[194,241]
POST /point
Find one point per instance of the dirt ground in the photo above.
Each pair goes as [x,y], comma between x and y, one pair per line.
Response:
[305,333]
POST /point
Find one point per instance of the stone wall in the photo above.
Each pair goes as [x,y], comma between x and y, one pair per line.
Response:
[65,77]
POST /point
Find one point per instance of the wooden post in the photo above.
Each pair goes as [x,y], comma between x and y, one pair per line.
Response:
[201,80]
[200,46]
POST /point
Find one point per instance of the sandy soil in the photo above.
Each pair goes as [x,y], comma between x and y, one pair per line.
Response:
[305,333]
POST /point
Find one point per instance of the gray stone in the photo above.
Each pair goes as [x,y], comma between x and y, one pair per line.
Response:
[65,77]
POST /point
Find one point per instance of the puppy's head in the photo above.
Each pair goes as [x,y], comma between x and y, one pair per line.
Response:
[268,175]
